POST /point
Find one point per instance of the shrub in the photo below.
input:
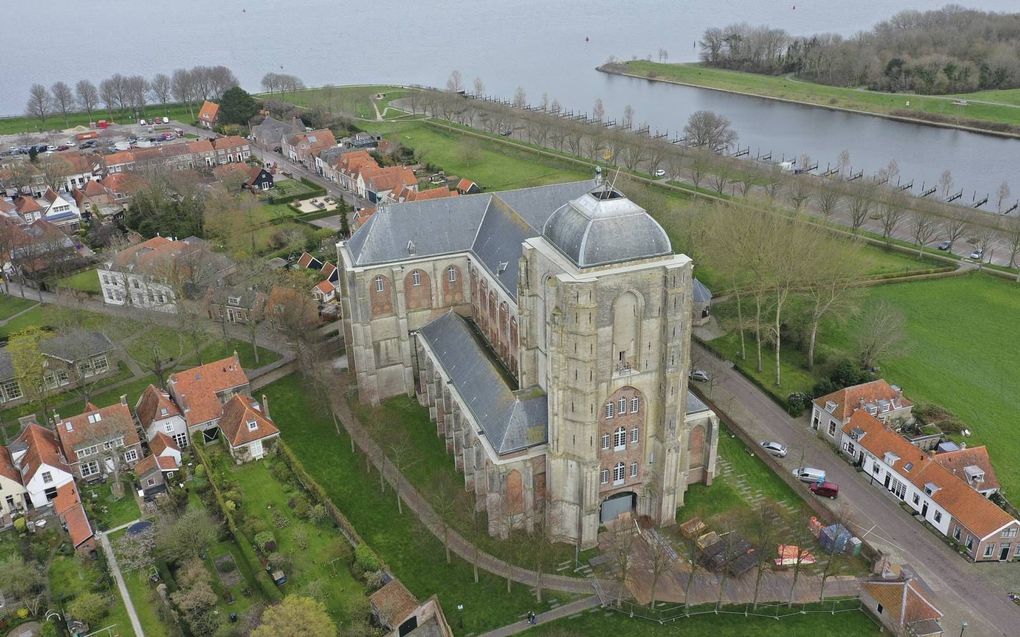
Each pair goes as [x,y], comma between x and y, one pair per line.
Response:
[266,541]
[22,613]
[300,537]
[226,566]
[280,519]
[278,561]
[20,525]
[375,579]
[365,558]
[300,505]
[317,513]
[200,471]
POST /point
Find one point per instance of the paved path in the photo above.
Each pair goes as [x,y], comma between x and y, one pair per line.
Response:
[559,612]
[121,586]
[962,590]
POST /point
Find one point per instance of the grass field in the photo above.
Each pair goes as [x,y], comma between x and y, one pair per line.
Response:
[69,576]
[350,99]
[606,623]
[413,553]
[54,123]
[1004,111]
[960,353]
[85,281]
[11,305]
[143,598]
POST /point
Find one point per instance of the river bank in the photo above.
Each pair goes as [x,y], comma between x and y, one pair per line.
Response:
[984,117]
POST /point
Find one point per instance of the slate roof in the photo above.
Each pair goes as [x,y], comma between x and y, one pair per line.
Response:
[272,130]
[492,226]
[65,348]
[511,420]
[694,404]
[701,293]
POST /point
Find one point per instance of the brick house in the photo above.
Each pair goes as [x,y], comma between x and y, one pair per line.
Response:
[901,604]
[232,149]
[304,147]
[100,441]
[941,497]
[208,114]
[830,413]
[247,428]
[235,305]
[70,361]
[158,414]
[201,392]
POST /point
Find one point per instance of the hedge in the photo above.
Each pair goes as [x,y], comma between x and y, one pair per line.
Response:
[315,191]
[266,585]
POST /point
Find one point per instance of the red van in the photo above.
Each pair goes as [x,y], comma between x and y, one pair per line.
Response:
[825,489]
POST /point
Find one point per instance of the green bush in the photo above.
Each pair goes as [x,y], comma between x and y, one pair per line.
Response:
[365,558]
[266,541]
[20,525]
[226,566]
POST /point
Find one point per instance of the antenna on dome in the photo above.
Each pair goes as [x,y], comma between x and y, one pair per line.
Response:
[598,177]
[612,186]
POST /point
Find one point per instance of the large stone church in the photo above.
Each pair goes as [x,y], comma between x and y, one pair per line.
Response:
[547,330]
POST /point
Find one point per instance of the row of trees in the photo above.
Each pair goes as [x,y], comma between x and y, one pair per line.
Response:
[281,83]
[129,94]
[948,50]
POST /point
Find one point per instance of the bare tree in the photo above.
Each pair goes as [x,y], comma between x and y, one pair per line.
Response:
[63,99]
[1010,231]
[479,87]
[859,204]
[709,130]
[923,228]
[880,333]
[182,86]
[456,83]
[954,227]
[520,98]
[108,95]
[830,292]
[843,162]
[1003,195]
[829,196]
[660,556]
[890,213]
[88,96]
[598,112]
[765,532]
[136,89]
[800,191]
[946,183]
[162,88]
[39,102]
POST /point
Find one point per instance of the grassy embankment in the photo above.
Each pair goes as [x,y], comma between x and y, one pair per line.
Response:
[1002,107]
[55,122]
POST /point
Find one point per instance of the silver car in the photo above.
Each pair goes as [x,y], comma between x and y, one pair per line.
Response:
[777,449]
[700,375]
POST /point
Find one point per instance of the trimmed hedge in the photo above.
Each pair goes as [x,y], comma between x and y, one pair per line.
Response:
[252,562]
[315,190]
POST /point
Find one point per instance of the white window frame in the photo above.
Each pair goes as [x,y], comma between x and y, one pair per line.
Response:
[938,516]
[620,439]
[168,427]
[606,438]
[379,285]
[604,476]
[622,406]
[47,477]
[130,455]
[989,550]
[619,471]
[635,435]
[634,404]
[181,440]
[451,274]
[90,468]
[633,469]
[416,278]
[609,410]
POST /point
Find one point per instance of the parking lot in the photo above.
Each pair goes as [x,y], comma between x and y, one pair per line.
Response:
[112,138]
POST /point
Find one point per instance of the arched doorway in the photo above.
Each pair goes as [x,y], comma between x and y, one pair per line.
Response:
[615,505]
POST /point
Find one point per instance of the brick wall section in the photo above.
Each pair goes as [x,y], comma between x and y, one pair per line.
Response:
[418,296]
[608,458]
[382,302]
[453,291]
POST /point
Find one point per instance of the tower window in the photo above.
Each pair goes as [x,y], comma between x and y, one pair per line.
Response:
[620,438]
[618,473]
[622,406]
[634,435]
[379,284]
[634,402]
[633,469]
[451,274]
[605,441]
[416,278]
[609,410]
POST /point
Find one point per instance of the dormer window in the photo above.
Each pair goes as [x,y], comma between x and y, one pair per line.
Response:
[163,411]
[93,418]
[830,406]
[930,488]
[890,458]
[252,425]
[233,300]
[68,426]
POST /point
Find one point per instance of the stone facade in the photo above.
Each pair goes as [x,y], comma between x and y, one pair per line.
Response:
[606,343]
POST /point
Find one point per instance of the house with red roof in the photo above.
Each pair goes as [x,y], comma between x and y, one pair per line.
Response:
[37,457]
[158,414]
[246,428]
[201,392]
[69,510]
[202,153]
[830,413]
[304,147]
[13,495]
[902,604]
[100,441]
[231,149]
[208,114]
[324,293]
[944,498]
[375,184]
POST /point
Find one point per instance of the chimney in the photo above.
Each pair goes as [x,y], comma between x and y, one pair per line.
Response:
[963,445]
[265,407]
[123,399]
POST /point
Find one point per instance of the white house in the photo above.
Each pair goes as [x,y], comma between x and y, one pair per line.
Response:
[942,498]
[247,428]
[36,455]
[60,210]
[830,413]
[12,492]
[202,391]
[159,415]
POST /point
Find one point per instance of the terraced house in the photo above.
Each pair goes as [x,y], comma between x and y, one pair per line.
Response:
[100,441]
[71,361]
[547,330]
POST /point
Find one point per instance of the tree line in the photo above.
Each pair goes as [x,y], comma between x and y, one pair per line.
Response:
[129,93]
[948,50]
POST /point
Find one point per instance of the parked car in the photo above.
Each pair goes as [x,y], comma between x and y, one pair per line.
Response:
[660,173]
[977,254]
[699,375]
[825,489]
[945,245]
[777,449]
[809,474]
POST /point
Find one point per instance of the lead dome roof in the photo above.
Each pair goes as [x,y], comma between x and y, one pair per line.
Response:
[603,227]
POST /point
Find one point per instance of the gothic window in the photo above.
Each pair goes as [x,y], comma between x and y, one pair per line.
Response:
[416,278]
[379,285]
[451,274]
[618,473]
[620,438]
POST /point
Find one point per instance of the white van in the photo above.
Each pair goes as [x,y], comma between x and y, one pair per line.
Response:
[809,474]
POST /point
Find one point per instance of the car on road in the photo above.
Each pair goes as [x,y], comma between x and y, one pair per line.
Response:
[660,173]
[825,489]
[700,375]
[977,254]
[777,449]
[809,474]
[945,245]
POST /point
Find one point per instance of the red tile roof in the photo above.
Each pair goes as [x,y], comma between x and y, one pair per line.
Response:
[149,256]
[161,442]
[149,464]
[125,183]
[849,399]
[432,193]
[465,185]
[200,146]
[325,287]
[93,188]
[227,171]
[957,461]
[393,602]
[305,260]
[390,178]
[96,425]
[42,449]
[228,143]
[67,506]
[967,506]
[119,158]
[26,205]
[7,468]
[151,405]
[328,270]
[209,111]
[238,415]
[890,594]
[197,389]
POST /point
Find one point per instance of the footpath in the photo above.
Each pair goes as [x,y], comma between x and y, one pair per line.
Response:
[567,610]
[111,558]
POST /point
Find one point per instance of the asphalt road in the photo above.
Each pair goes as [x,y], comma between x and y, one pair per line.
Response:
[962,590]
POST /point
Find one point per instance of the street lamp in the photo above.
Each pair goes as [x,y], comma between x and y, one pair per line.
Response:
[460,616]
[963,627]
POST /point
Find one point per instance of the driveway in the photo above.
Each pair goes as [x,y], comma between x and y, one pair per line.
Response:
[975,593]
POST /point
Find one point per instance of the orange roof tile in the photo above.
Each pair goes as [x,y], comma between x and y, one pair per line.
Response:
[42,449]
[154,404]
[162,442]
[96,425]
[325,287]
[149,256]
[125,183]
[391,178]
[305,260]
[197,389]
[328,270]
[957,461]
[93,188]
[200,146]
[393,602]
[226,171]
[849,399]
[145,466]
[239,414]
[119,158]
[465,184]
[209,111]
[432,193]
[967,506]
[7,468]
[229,142]
[25,205]
[890,595]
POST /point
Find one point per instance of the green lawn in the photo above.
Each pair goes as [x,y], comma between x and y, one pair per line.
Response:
[1005,111]
[32,318]
[145,599]
[605,623]
[349,99]
[218,350]
[85,281]
[262,494]
[106,512]
[69,576]
[11,305]
[492,166]
[15,125]
[413,554]
[288,187]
